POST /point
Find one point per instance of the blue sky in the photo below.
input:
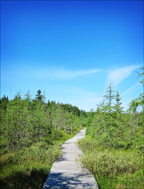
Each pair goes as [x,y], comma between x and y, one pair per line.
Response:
[72,49]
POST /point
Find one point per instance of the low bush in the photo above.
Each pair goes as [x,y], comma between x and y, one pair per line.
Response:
[28,167]
[123,167]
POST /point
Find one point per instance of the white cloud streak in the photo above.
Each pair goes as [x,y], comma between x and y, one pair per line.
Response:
[46,73]
[66,74]
[120,74]
[130,89]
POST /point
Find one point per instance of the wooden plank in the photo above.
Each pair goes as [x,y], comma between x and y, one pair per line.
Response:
[66,173]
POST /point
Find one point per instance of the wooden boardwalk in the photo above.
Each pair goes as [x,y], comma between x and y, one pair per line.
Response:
[66,173]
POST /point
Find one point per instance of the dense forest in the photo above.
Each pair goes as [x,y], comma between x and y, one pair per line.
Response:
[32,132]
[25,121]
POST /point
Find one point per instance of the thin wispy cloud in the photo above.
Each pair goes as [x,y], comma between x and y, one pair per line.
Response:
[68,74]
[51,73]
[120,74]
[130,89]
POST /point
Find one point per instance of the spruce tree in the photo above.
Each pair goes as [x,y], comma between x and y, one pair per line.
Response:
[39,96]
[117,106]
[109,96]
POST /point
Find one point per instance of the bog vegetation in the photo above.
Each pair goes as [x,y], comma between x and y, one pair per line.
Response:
[114,145]
[32,132]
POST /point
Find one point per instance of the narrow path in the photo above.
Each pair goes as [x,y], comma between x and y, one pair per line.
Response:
[66,173]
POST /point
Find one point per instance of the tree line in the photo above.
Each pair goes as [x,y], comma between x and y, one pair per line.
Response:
[25,121]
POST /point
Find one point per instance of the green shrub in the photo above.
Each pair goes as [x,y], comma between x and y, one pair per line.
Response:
[122,166]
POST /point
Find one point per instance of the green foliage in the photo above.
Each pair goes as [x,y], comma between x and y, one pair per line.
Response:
[39,96]
[117,107]
[111,127]
[32,133]
[138,102]
[106,130]
[133,105]
[118,167]
[29,166]
[114,144]
[141,75]
[109,96]
[24,121]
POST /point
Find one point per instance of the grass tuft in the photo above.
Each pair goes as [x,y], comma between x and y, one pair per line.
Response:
[112,168]
[28,167]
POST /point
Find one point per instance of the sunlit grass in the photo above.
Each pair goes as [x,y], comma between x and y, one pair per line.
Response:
[113,168]
[28,167]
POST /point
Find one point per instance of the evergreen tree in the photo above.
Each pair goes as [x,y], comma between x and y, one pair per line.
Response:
[117,106]
[48,104]
[39,96]
[133,106]
[109,96]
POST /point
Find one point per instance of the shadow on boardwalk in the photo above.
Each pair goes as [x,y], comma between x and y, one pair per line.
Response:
[71,181]
[66,173]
